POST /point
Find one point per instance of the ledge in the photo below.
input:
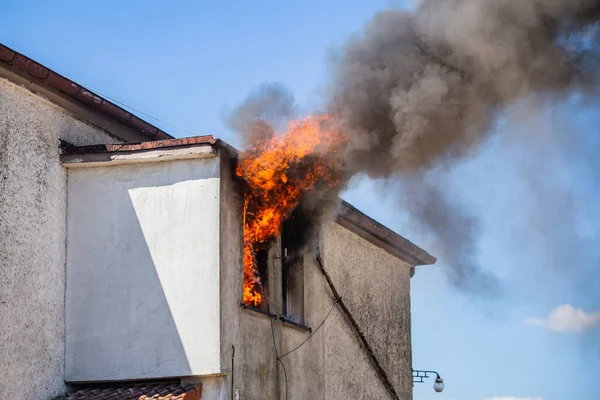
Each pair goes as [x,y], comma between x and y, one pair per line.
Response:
[296,325]
[257,311]
[111,155]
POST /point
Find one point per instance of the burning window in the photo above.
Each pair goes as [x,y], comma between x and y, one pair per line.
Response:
[256,263]
[262,269]
[278,170]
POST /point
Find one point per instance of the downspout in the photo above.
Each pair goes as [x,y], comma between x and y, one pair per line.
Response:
[232,369]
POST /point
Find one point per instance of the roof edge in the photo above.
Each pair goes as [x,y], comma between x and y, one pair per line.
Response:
[66,89]
[366,227]
[138,146]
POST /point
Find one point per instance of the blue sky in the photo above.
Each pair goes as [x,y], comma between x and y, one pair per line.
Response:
[534,186]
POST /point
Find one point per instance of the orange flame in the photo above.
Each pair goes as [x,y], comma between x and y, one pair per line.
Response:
[278,171]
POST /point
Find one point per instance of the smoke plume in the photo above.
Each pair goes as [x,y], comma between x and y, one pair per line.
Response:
[419,88]
[265,109]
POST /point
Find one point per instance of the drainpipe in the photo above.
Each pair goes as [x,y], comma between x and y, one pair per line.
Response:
[233,372]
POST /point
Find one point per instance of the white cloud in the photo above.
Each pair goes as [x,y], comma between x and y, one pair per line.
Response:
[515,398]
[565,318]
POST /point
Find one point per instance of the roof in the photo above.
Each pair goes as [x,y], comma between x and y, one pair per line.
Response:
[83,103]
[136,147]
[349,217]
[170,391]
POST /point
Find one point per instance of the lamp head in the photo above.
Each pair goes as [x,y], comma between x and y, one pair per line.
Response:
[438,386]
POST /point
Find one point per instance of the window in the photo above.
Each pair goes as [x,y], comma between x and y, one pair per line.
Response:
[262,265]
[293,240]
[293,289]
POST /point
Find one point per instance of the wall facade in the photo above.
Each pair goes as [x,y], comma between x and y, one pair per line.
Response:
[331,365]
[142,297]
[375,287]
[179,332]
[32,240]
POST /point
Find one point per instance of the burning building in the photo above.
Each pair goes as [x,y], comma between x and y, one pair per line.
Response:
[135,264]
[177,293]
[182,267]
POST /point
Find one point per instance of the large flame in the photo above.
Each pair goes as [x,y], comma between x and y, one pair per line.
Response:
[278,170]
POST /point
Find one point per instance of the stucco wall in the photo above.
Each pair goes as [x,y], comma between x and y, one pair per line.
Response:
[32,240]
[305,366]
[231,242]
[255,373]
[332,364]
[143,271]
[376,288]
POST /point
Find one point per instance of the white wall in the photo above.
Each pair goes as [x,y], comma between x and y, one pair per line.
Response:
[143,271]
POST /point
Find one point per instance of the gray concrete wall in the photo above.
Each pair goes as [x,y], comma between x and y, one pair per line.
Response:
[376,288]
[231,269]
[32,240]
[332,364]
[255,373]
[305,366]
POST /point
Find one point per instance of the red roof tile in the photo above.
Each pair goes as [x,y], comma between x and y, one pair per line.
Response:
[128,147]
[174,391]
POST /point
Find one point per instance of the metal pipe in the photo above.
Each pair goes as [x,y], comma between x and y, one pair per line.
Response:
[232,369]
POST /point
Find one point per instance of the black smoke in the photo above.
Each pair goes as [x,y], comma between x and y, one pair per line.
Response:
[419,89]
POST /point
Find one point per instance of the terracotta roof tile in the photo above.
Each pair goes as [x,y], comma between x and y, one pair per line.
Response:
[127,147]
[6,54]
[61,84]
[172,391]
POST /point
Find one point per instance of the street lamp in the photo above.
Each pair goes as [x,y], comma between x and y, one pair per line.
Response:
[419,376]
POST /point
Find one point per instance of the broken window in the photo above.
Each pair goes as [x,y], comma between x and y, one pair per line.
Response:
[293,240]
